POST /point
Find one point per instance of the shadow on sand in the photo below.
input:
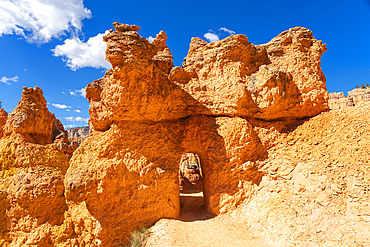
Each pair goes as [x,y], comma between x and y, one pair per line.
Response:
[192,207]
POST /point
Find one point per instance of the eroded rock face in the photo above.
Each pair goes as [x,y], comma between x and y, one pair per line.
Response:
[3,118]
[229,103]
[31,118]
[138,88]
[279,80]
[315,185]
[34,155]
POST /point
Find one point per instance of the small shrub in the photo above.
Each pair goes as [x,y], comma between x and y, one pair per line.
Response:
[139,237]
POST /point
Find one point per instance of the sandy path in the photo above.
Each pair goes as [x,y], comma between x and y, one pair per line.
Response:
[196,227]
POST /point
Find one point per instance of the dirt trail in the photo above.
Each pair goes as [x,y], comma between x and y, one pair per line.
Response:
[196,227]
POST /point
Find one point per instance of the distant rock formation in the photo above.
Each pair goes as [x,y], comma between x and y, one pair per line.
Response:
[355,97]
[81,132]
[78,134]
[190,172]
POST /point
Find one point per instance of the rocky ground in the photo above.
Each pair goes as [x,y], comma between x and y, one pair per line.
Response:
[196,227]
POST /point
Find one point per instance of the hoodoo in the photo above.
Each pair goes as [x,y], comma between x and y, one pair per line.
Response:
[229,104]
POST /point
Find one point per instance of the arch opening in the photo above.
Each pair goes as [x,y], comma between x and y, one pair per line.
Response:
[191,182]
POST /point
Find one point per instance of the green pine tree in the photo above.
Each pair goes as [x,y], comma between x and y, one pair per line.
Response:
[357,86]
[367,85]
[363,85]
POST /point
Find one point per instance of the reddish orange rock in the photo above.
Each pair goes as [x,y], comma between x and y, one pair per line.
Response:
[228,104]
[31,118]
[280,79]
[34,155]
[3,118]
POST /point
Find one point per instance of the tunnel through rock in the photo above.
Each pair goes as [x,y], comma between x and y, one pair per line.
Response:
[191,189]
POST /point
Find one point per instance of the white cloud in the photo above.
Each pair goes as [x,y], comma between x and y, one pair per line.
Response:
[78,54]
[77,92]
[226,30]
[38,21]
[60,106]
[150,38]
[78,111]
[68,126]
[6,79]
[76,119]
[211,37]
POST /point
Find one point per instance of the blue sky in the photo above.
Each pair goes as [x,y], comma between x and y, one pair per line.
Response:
[57,45]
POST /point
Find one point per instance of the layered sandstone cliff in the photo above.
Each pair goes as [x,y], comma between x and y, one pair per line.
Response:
[78,134]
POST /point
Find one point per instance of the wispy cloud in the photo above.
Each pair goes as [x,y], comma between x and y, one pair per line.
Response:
[38,21]
[60,106]
[80,92]
[7,80]
[78,54]
[226,30]
[78,111]
[211,36]
[68,126]
[76,119]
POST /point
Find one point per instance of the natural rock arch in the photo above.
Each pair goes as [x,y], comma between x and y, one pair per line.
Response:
[229,103]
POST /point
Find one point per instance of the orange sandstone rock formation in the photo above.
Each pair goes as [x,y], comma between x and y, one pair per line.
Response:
[3,117]
[228,103]
[315,191]
[32,167]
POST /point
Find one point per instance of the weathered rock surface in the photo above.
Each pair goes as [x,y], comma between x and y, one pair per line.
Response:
[228,104]
[281,79]
[81,132]
[78,134]
[315,191]
[355,97]
[3,118]
[34,154]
